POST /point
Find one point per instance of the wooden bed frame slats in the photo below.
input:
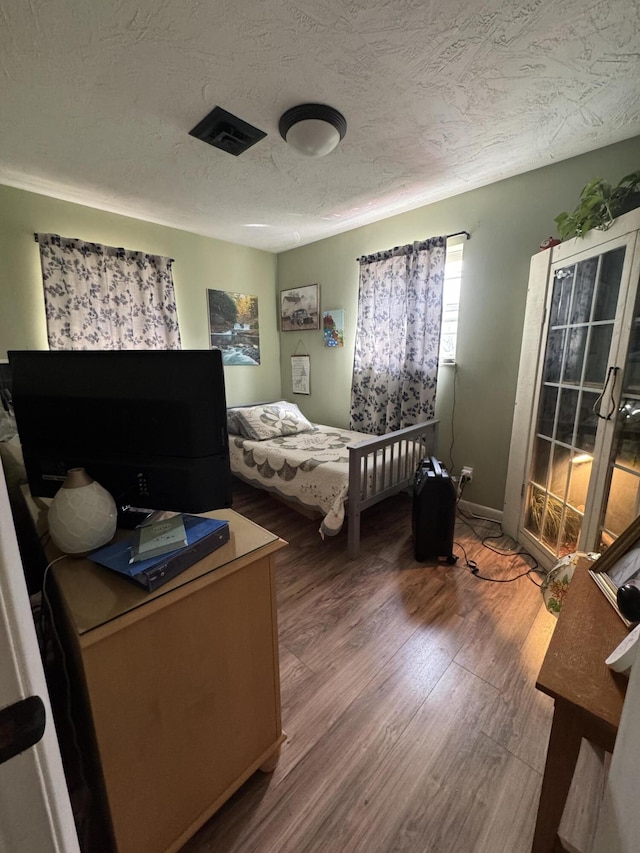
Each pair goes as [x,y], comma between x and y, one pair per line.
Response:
[392,460]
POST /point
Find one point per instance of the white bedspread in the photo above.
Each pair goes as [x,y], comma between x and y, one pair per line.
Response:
[310,467]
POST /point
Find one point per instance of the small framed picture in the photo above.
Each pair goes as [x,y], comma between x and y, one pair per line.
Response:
[300,371]
[333,327]
[300,309]
[619,565]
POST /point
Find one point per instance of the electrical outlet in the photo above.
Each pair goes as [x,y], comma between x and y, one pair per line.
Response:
[467,474]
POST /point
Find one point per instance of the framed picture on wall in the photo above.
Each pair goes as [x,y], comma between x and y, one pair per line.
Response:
[300,374]
[333,327]
[300,308]
[234,326]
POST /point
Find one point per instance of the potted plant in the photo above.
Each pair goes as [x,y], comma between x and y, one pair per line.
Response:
[599,204]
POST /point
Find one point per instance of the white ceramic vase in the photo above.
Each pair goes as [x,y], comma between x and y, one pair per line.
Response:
[82,515]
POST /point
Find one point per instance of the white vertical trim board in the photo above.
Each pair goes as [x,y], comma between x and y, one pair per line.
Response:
[35,811]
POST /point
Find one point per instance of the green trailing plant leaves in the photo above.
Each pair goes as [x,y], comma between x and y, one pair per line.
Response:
[630,179]
[599,204]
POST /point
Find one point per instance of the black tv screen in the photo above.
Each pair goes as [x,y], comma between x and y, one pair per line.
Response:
[148,425]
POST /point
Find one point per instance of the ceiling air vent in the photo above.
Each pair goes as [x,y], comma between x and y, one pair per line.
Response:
[227,132]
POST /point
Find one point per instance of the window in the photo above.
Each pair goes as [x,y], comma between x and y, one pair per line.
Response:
[450,302]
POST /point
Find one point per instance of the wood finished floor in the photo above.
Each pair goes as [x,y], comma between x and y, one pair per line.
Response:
[408,698]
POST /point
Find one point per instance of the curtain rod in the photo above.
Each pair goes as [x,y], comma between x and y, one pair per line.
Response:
[446,237]
[118,248]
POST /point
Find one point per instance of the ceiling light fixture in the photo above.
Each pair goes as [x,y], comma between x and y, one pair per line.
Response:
[313,129]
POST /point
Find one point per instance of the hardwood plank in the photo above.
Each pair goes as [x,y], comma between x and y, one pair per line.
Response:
[511,820]
[407,803]
[320,792]
[294,675]
[494,654]
[357,609]
[408,698]
[350,667]
[491,797]
[522,720]
[578,824]
[347,596]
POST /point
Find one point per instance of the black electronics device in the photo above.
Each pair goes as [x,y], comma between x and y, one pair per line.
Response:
[434,512]
[148,425]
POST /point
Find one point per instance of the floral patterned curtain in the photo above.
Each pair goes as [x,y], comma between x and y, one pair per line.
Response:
[101,297]
[398,337]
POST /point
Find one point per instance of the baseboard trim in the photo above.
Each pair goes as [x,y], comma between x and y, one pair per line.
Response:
[482,511]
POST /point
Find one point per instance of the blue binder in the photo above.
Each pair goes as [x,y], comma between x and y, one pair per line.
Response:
[204,535]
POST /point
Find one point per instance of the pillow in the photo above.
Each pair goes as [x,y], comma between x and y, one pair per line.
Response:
[233,422]
[272,420]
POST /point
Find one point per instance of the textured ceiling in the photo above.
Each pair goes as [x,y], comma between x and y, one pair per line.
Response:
[441,96]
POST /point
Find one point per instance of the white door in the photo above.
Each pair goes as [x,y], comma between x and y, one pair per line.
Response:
[35,812]
[572,430]
[573,481]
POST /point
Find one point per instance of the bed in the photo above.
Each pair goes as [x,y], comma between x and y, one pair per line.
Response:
[332,472]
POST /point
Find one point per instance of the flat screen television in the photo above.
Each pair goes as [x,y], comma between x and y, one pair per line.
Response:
[148,425]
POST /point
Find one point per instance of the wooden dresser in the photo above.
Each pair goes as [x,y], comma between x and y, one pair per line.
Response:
[181,685]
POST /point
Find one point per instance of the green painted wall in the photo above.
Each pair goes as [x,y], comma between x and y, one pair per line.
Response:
[200,263]
[507,220]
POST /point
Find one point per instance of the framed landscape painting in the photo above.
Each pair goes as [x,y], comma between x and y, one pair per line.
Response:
[300,309]
[234,326]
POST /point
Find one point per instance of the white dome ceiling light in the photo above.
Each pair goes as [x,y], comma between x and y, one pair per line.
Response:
[313,129]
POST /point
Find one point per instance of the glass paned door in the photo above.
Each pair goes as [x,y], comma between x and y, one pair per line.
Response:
[622,502]
[582,314]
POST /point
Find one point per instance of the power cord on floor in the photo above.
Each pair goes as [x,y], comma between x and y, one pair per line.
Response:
[475,571]
[473,567]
